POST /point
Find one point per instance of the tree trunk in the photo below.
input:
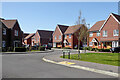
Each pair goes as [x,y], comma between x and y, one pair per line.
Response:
[79,57]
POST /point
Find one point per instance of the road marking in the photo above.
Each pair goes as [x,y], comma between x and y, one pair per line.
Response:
[85,68]
[66,62]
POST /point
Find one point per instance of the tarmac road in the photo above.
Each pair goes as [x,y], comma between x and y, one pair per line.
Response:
[32,66]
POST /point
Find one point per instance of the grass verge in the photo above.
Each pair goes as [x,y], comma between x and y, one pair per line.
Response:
[102,58]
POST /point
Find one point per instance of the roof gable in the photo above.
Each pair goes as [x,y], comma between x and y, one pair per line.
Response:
[45,33]
[9,23]
[63,28]
[30,35]
[72,29]
[115,16]
[97,26]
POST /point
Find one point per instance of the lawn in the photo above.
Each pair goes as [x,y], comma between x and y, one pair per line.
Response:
[102,58]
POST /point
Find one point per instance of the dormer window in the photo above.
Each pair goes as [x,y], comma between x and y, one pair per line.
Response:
[16,33]
[4,31]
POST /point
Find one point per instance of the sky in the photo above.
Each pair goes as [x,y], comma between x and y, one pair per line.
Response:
[46,15]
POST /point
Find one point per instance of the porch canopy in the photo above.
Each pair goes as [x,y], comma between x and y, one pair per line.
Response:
[94,40]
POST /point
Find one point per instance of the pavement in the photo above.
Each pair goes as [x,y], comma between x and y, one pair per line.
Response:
[89,66]
[33,66]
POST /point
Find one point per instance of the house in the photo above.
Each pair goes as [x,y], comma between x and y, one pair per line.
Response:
[28,39]
[105,34]
[11,33]
[94,35]
[58,35]
[70,39]
[42,37]
[110,32]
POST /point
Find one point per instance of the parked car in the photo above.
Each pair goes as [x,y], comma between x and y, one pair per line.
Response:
[47,46]
[115,49]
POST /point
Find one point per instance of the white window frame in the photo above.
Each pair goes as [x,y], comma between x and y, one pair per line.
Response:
[115,32]
[16,33]
[70,44]
[65,36]
[4,31]
[104,33]
[90,34]
[90,44]
[98,33]
[55,37]
[59,36]
[3,43]
[69,35]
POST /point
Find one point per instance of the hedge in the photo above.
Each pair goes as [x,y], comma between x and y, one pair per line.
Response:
[42,48]
[66,48]
[20,49]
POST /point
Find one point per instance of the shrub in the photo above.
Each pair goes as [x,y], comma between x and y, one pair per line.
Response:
[90,48]
[85,48]
[4,49]
[66,48]
[10,49]
[20,49]
[42,48]
[96,49]
[104,50]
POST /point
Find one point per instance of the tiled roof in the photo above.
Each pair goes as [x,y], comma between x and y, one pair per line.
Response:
[62,28]
[30,35]
[72,29]
[97,26]
[9,23]
[116,16]
[45,33]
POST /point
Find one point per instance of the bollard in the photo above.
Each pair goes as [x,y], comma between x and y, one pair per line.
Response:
[68,55]
[63,54]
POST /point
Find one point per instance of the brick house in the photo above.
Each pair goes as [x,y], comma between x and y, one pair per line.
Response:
[28,39]
[42,37]
[11,33]
[108,31]
[58,35]
[94,35]
[70,39]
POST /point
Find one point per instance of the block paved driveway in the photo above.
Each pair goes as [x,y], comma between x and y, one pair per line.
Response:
[32,66]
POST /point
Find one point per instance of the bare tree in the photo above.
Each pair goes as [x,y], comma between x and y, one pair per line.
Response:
[81,34]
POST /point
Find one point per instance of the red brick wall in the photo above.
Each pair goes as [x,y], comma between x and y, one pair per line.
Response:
[57,33]
[95,36]
[110,25]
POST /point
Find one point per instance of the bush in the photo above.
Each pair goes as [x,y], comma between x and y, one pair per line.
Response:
[20,49]
[90,49]
[66,48]
[42,48]
[96,49]
[85,48]
[10,49]
[104,50]
[4,49]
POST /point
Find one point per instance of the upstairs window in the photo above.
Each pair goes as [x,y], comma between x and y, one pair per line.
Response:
[55,38]
[65,36]
[98,33]
[115,32]
[16,33]
[4,31]
[69,35]
[90,34]
[3,44]
[59,37]
[104,33]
